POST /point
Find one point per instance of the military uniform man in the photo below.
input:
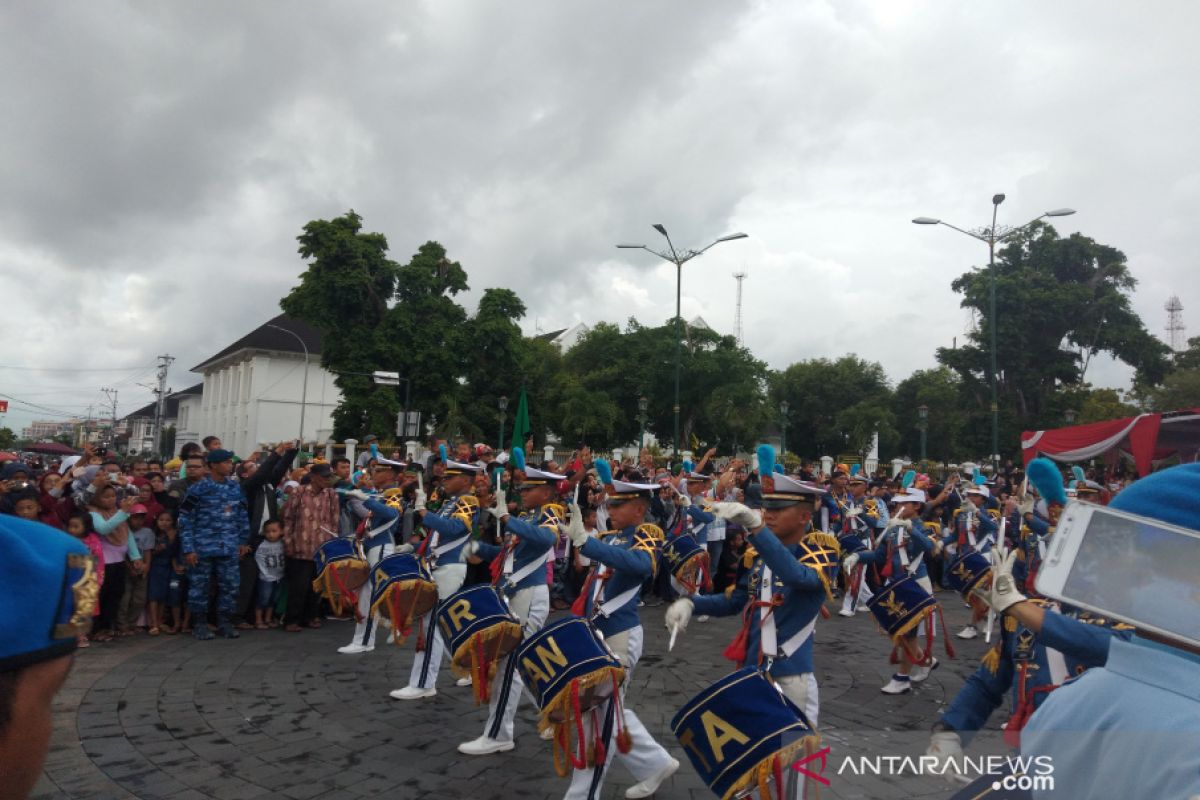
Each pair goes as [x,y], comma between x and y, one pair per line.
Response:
[974,529]
[519,570]
[448,531]
[621,560]
[214,532]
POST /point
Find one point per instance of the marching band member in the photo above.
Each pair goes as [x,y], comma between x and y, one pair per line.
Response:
[900,553]
[834,502]
[449,529]
[974,529]
[518,569]
[621,561]
[866,517]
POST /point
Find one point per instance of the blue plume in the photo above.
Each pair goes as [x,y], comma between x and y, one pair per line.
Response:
[1077,471]
[980,479]
[688,466]
[603,471]
[766,459]
[909,477]
[779,469]
[375,451]
[854,469]
[444,454]
[1044,475]
[518,458]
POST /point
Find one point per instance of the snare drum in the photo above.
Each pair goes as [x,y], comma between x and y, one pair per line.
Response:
[403,591]
[688,561]
[341,569]
[480,630]
[969,572]
[900,608]
[742,730]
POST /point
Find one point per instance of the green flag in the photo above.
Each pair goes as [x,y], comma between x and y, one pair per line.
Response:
[521,421]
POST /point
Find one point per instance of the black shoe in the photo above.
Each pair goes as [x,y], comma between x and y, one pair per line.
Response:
[202,632]
[226,630]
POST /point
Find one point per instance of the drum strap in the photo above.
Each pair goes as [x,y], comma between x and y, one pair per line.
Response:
[610,607]
[448,546]
[516,577]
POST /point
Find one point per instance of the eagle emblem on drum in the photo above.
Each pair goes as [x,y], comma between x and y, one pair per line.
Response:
[893,606]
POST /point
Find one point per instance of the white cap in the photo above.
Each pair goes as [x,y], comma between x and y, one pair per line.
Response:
[980,490]
[912,496]
[67,463]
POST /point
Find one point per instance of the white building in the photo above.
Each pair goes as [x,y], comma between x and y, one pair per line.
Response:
[254,390]
[566,338]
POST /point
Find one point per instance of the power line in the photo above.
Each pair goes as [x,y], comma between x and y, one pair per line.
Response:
[141,368]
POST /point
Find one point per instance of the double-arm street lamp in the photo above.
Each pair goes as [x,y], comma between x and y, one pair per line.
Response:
[992,235]
[678,259]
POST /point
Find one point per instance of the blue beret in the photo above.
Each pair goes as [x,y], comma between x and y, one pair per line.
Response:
[48,592]
[217,456]
[1171,495]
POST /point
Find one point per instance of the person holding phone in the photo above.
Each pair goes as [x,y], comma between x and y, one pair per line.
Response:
[1129,726]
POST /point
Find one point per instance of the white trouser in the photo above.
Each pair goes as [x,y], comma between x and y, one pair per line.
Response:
[449,579]
[801,690]
[864,595]
[364,630]
[646,756]
[530,605]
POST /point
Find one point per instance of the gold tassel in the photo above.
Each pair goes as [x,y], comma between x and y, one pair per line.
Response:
[760,774]
[825,540]
[991,659]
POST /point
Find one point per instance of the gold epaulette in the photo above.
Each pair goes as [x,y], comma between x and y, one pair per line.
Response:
[748,557]
[553,515]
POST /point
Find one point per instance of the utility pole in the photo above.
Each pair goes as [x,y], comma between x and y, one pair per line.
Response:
[164,363]
[112,397]
[737,316]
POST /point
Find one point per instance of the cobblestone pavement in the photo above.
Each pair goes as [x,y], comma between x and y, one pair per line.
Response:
[284,715]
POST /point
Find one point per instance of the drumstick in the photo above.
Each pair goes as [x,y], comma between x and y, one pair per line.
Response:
[991,617]
[674,633]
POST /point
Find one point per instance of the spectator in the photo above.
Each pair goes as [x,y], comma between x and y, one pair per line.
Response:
[146,498]
[111,523]
[159,582]
[269,559]
[79,525]
[370,445]
[48,507]
[133,600]
[158,490]
[310,518]
[211,443]
[258,487]
[731,555]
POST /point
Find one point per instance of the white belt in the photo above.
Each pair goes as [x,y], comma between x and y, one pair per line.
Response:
[512,579]
[609,607]
[768,640]
[448,546]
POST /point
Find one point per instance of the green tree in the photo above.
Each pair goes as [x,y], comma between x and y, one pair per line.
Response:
[1179,391]
[834,407]
[1059,301]
[940,390]
[7,438]
[494,355]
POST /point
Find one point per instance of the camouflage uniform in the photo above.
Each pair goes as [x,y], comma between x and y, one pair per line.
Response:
[213,524]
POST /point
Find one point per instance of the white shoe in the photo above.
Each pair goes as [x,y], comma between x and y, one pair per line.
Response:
[412,693]
[463,681]
[897,686]
[702,618]
[651,784]
[351,649]
[485,745]
[863,609]
[969,632]
[919,674]
[546,735]
[845,612]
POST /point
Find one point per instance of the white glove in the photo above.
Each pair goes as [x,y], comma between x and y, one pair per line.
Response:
[403,548]
[420,501]
[500,510]
[679,614]
[938,546]
[683,500]
[1003,593]
[738,514]
[945,746]
[469,549]
[850,563]
[853,512]
[896,522]
[1026,504]
[574,529]
[357,494]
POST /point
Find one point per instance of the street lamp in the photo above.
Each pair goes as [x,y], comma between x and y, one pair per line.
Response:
[923,416]
[1069,416]
[303,391]
[643,404]
[783,409]
[991,236]
[503,404]
[678,259]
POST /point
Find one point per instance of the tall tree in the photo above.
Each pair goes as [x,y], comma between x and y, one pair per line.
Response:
[834,407]
[344,293]
[494,352]
[939,390]
[1059,301]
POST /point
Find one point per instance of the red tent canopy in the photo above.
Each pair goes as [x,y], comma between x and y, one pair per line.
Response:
[1147,437]
[51,449]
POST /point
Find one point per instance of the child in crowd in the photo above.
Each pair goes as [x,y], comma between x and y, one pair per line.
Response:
[79,525]
[177,589]
[133,601]
[731,555]
[269,557]
[158,587]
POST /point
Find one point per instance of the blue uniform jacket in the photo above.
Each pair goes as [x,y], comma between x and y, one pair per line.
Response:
[381,514]
[452,522]
[213,520]
[986,525]
[700,519]
[916,541]
[535,531]
[1083,646]
[802,592]
[632,556]
[829,515]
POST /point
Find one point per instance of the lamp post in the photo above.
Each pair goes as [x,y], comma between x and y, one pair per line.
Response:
[303,391]
[1069,416]
[643,404]
[783,409]
[923,424]
[992,235]
[503,404]
[678,259]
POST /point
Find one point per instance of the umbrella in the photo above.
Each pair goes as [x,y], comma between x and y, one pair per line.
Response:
[9,457]
[52,449]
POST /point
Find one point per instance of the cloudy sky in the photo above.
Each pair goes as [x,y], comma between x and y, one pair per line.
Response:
[159,159]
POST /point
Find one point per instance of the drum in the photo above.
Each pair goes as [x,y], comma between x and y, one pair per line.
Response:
[341,569]
[689,563]
[851,543]
[403,591]
[968,572]
[570,671]
[480,630]
[742,730]
[900,608]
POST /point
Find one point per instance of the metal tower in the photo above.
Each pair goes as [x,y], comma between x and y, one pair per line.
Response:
[1175,323]
[737,316]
